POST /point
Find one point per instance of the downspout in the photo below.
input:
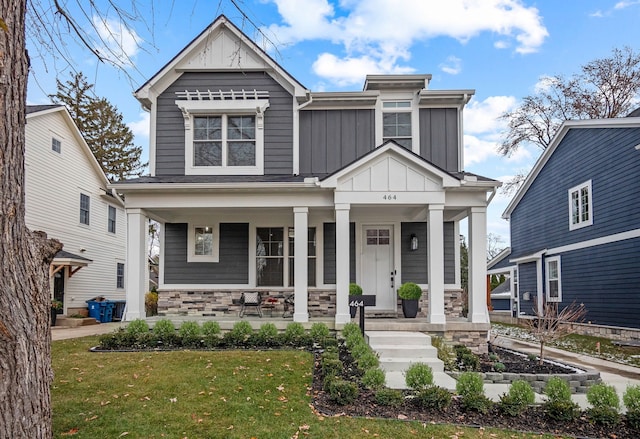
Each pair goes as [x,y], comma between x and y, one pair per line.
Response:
[296,133]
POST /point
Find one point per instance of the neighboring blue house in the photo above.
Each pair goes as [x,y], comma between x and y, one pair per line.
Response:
[575,224]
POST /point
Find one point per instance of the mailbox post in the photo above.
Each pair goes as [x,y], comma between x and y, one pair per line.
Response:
[360,301]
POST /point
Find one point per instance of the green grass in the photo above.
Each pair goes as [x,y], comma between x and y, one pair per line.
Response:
[191,394]
[588,345]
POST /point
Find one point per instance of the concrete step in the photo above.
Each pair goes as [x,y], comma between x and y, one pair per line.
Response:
[399,364]
[395,380]
[398,337]
[402,350]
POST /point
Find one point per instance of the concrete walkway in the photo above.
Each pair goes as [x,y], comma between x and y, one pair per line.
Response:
[64,333]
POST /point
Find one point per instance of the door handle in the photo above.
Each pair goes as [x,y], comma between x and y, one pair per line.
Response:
[392,278]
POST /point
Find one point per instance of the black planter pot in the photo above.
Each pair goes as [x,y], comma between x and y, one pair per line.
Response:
[54,316]
[352,311]
[410,308]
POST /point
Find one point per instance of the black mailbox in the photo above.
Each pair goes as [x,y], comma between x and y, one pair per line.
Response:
[360,301]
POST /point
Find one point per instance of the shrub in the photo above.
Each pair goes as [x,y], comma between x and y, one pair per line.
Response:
[605,404]
[520,396]
[419,376]
[470,387]
[367,361]
[373,378]
[151,303]
[190,333]
[493,357]
[331,366]
[120,339]
[210,328]
[389,397]
[343,392]
[294,334]
[165,331]
[239,333]
[465,359]
[319,332]
[631,399]
[499,367]
[445,353]
[349,329]
[355,289]
[434,397]
[558,405]
[410,291]
[138,326]
[267,335]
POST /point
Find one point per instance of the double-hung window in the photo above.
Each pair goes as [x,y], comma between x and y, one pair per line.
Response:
[112,220]
[553,283]
[311,257]
[84,209]
[56,145]
[580,206]
[120,275]
[203,242]
[224,131]
[396,122]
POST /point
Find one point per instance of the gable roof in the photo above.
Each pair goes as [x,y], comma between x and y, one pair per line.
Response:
[205,53]
[613,123]
[41,110]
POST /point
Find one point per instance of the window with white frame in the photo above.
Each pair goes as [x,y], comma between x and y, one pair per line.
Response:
[203,243]
[224,131]
[84,209]
[553,282]
[56,145]
[580,206]
[396,122]
[311,257]
[111,220]
[120,275]
[270,256]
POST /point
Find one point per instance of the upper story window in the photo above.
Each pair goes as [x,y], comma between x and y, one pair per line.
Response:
[111,220]
[224,131]
[84,209]
[56,145]
[580,206]
[396,122]
[224,141]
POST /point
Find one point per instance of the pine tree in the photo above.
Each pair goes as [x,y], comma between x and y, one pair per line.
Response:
[101,125]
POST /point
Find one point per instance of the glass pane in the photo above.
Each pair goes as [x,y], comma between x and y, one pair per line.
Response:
[383,241]
[277,233]
[553,270]
[241,127]
[207,153]
[585,203]
[203,241]
[241,154]
[372,232]
[553,288]
[383,232]
[372,241]
[311,272]
[405,143]
[575,208]
[269,271]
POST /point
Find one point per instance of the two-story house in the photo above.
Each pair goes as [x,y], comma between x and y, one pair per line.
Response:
[66,196]
[575,225]
[261,184]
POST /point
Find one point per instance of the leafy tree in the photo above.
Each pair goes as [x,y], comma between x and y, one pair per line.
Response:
[100,123]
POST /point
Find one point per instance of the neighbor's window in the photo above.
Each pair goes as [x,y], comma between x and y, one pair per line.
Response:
[269,256]
[112,220]
[224,141]
[553,285]
[311,257]
[84,209]
[580,206]
[120,275]
[56,145]
[396,122]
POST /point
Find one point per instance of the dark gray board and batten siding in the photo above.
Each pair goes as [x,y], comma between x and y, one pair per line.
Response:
[439,137]
[278,119]
[329,250]
[414,263]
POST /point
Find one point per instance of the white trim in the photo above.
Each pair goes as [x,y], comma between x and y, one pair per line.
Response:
[191,245]
[547,278]
[529,258]
[580,224]
[596,241]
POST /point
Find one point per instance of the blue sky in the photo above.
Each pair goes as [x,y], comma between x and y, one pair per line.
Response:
[500,48]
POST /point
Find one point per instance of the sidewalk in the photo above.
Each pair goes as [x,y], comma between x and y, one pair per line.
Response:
[64,333]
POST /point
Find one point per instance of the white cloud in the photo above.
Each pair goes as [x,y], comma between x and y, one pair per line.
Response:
[483,116]
[349,71]
[625,4]
[384,32]
[140,127]
[452,65]
[118,44]
[478,150]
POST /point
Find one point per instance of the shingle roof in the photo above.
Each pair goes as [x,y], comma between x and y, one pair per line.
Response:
[216,179]
[36,108]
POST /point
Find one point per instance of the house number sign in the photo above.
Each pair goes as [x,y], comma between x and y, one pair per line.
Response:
[390,197]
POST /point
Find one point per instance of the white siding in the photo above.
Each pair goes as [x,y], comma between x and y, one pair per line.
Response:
[53,184]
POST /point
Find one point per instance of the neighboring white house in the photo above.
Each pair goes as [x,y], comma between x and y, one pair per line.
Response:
[67,197]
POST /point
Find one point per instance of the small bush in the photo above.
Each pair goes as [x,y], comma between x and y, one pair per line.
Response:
[631,399]
[294,334]
[367,361]
[470,387]
[445,353]
[331,366]
[349,329]
[465,359]
[558,405]
[151,303]
[389,397]
[165,331]
[319,332]
[120,339]
[343,392]
[267,335]
[520,396]
[138,326]
[409,291]
[605,404]
[190,333]
[419,376]
[210,328]
[493,357]
[355,289]
[239,334]
[499,367]
[434,397]
[373,378]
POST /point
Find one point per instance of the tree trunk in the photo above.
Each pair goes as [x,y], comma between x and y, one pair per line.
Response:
[25,341]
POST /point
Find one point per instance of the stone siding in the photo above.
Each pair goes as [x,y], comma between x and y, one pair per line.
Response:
[453,304]
[578,382]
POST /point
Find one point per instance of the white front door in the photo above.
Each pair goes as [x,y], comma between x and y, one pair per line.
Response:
[377,265]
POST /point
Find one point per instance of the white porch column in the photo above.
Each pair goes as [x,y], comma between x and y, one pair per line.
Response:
[137,232]
[435,269]
[300,224]
[478,265]
[342,263]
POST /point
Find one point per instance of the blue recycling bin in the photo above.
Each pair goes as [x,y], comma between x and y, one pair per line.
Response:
[94,309]
[106,311]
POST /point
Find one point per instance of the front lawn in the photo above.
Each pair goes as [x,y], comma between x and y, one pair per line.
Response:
[206,394]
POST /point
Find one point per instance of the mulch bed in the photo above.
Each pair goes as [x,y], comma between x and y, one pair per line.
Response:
[520,363]
[532,420]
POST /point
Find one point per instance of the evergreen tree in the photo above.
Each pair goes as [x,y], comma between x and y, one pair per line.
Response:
[101,125]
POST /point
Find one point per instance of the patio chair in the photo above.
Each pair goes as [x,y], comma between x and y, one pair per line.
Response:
[253,299]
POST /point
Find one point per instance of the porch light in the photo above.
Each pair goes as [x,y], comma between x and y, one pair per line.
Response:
[414,242]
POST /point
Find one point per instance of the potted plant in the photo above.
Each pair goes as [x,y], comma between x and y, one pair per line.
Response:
[56,307]
[354,290]
[410,293]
